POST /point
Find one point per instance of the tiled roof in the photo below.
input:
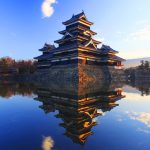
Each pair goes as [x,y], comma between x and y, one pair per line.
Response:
[116,58]
[106,49]
[66,47]
[47,47]
[67,38]
[45,56]
[75,18]
[77,28]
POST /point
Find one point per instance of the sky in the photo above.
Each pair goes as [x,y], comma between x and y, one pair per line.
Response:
[25,25]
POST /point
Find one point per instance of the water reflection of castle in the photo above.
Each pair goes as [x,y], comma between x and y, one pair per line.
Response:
[78,111]
[77,105]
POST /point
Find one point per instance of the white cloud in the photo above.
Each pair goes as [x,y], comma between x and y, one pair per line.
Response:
[48,143]
[143,130]
[120,33]
[119,119]
[142,22]
[142,34]
[47,8]
[142,117]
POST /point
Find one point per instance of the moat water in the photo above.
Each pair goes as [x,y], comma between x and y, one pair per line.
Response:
[39,118]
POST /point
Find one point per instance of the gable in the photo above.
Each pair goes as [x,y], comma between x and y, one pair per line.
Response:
[67,35]
[91,44]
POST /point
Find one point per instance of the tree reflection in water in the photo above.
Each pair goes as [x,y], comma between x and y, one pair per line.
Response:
[10,89]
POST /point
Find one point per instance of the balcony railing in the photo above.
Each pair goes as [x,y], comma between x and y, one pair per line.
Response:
[119,67]
[45,63]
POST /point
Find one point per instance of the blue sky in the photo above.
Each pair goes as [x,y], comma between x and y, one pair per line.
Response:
[25,25]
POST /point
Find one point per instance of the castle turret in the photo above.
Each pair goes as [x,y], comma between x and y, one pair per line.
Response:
[43,60]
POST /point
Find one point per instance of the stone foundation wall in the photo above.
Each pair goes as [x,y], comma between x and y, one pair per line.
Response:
[78,73]
[77,78]
[58,77]
[92,77]
[100,73]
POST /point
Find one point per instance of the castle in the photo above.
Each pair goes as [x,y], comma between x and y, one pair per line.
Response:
[77,49]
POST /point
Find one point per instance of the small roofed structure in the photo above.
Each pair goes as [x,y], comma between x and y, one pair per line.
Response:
[105,49]
[47,48]
[43,60]
[109,57]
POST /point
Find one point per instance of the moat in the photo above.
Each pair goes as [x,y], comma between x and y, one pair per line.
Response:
[51,117]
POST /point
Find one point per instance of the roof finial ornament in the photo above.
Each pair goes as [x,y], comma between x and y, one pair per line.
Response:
[72,15]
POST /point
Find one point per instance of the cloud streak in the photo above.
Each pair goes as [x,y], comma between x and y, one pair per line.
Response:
[142,117]
[47,8]
[143,130]
[142,34]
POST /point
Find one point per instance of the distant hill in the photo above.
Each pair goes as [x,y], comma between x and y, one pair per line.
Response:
[134,62]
